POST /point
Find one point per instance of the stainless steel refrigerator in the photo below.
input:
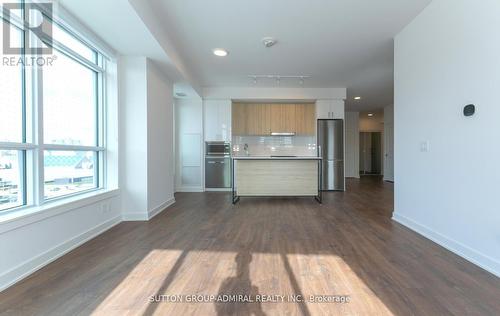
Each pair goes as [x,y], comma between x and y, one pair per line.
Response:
[331,149]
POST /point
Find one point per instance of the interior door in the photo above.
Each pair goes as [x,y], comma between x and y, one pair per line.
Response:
[365,161]
[376,153]
[389,152]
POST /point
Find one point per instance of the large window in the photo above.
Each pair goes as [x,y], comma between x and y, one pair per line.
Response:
[51,117]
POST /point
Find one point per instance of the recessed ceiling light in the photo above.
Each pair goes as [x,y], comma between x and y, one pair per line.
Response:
[370,114]
[357,98]
[220,52]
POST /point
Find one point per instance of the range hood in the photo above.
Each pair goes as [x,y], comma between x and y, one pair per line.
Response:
[283,134]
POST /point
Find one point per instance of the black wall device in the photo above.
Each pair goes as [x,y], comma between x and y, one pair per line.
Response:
[469,110]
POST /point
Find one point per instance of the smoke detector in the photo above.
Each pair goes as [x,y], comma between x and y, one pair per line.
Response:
[268,41]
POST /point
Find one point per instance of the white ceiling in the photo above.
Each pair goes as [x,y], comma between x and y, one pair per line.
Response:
[118,23]
[340,43]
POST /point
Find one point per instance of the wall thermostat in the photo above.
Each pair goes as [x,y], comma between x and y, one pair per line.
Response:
[469,110]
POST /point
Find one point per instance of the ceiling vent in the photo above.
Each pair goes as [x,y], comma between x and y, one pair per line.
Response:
[268,41]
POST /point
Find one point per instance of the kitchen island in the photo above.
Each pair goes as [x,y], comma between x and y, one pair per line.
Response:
[278,176]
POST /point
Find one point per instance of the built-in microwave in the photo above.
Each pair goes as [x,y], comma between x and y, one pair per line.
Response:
[217,149]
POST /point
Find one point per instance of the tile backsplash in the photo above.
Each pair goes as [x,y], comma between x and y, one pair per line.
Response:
[275,145]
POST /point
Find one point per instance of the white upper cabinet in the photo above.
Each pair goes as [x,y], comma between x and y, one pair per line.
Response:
[330,109]
[323,109]
[217,115]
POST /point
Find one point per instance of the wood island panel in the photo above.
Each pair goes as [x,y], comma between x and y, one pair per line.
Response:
[276,177]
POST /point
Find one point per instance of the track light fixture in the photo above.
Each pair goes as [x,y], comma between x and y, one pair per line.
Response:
[278,78]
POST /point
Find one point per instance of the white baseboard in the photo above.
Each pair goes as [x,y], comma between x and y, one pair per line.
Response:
[487,263]
[218,190]
[28,267]
[189,189]
[157,210]
[136,217]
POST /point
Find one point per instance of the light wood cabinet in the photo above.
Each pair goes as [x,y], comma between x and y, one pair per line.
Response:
[283,118]
[277,120]
[305,119]
[239,119]
[258,119]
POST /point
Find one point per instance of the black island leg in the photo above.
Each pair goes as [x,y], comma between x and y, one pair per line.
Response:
[234,197]
[319,197]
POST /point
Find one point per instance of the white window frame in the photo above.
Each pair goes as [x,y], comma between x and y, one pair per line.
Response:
[34,146]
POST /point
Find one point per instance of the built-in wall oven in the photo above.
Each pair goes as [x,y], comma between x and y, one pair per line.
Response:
[217,165]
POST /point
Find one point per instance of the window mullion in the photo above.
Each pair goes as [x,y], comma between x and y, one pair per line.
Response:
[102,129]
[39,154]
[17,146]
[58,147]
[63,49]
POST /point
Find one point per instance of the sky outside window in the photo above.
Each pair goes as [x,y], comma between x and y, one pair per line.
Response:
[70,104]
[11,102]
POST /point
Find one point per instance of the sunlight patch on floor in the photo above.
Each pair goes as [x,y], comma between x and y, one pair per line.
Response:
[145,279]
[283,279]
[331,275]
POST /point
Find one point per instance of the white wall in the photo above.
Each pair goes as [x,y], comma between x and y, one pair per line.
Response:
[352,144]
[446,58]
[189,145]
[30,243]
[374,123]
[133,90]
[147,151]
[160,130]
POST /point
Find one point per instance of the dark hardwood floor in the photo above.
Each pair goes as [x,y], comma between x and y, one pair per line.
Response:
[204,245]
